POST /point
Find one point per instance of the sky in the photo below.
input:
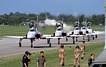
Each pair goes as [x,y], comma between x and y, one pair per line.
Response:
[55,7]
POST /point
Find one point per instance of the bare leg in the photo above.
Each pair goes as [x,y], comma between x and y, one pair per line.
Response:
[78,62]
[82,56]
[60,61]
[63,62]
[75,60]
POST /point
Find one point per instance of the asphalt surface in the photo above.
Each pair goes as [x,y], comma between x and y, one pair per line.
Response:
[9,46]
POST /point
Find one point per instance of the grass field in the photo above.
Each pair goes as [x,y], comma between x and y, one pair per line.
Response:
[52,57]
[22,30]
[98,28]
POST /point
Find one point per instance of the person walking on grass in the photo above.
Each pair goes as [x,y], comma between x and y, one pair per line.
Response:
[82,48]
[77,56]
[62,55]
[41,61]
[26,59]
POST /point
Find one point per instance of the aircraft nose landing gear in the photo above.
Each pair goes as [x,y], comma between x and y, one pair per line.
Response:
[31,43]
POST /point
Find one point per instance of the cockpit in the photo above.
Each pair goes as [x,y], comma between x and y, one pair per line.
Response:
[59,25]
[76,24]
[76,28]
[84,23]
[32,29]
[83,28]
[89,24]
[89,27]
[32,24]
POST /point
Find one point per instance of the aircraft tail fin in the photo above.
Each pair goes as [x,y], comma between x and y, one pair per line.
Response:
[37,23]
[46,16]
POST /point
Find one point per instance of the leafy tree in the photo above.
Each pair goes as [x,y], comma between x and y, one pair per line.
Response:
[17,18]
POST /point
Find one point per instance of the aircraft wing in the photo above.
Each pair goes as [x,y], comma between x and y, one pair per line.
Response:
[54,37]
[99,32]
[17,37]
[76,35]
[51,37]
[46,36]
[96,33]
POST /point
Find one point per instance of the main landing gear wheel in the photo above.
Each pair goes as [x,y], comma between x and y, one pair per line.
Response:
[19,44]
[49,44]
[73,40]
[88,38]
[58,40]
[93,37]
[83,37]
[66,39]
[96,36]
[48,41]
[76,39]
[31,45]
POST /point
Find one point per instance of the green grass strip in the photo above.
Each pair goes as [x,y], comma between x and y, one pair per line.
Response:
[52,57]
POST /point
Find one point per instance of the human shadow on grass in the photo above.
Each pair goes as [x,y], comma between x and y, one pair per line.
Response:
[67,44]
[43,47]
[35,47]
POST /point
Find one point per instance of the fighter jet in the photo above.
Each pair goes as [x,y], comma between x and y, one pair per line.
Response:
[59,33]
[88,31]
[32,34]
[76,32]
[83,31]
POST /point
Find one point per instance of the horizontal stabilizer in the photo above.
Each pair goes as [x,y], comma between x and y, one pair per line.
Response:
[54,37]
[17,37]
[99,32]
[76,35]
[46,36]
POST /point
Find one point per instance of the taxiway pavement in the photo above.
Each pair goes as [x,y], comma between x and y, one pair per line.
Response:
[9,46]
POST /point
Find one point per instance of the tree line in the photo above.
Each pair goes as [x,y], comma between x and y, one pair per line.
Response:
[17,18]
